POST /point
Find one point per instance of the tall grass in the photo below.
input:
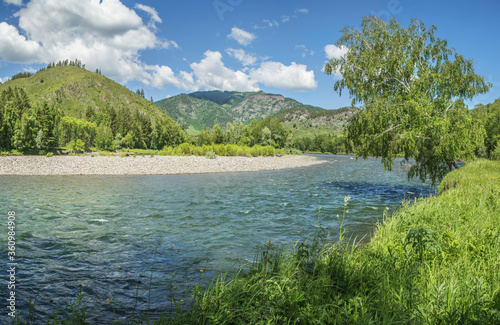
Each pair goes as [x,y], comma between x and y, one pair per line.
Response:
[437,261]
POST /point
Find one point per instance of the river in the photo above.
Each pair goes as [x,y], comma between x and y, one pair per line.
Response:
[103,234]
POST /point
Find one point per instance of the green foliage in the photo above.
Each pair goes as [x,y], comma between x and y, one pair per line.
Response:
[77,146]
[187,149]
[489,115]
[495,155]
[412,87]
[210,155]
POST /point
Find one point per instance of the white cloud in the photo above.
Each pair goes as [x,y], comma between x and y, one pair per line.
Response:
[14,2]
[294,77]
[102,34]
[212,74]
[302,11]
[305,51]
[335,52]
[14,47]
[245,58]
[150,10]
[242,37]
[271,23]
[4,79]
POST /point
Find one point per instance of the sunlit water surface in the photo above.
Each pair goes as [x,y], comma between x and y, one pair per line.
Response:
[106,233]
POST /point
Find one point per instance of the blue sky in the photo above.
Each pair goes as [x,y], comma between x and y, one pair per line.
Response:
[173,46]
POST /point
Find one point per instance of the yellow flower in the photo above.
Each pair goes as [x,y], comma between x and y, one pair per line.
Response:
[201,271]
[229,312]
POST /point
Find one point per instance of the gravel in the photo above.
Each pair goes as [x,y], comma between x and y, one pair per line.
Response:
[147,165]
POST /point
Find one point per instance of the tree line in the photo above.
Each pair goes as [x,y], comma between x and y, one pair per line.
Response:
[270,132]
[26,127]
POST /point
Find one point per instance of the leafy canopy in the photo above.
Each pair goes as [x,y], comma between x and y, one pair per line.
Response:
[412,87]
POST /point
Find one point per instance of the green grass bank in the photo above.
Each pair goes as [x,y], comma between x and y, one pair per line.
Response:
[436,261]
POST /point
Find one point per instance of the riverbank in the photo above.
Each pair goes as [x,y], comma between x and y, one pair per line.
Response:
[144,165]
[436,261]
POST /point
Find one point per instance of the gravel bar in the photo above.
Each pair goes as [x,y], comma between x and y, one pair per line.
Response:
[147,165]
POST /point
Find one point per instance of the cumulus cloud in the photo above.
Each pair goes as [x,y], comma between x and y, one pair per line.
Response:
[103,34]
[294,77]
[212,74]
[14,47]
[241,36]
[161,76]
[245,58]
[335,52]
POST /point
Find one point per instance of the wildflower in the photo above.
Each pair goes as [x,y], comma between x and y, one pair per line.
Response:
[229,312]
[201,271]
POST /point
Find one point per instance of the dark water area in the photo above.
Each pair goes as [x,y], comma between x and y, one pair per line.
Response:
[103,234]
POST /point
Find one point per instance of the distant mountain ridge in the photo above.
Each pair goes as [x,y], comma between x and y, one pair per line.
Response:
[203,109]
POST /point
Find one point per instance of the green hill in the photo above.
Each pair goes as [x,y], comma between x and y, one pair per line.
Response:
[199,110]
[73,89]
[81,105]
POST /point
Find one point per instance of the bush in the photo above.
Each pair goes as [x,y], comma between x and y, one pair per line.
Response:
[185,149]
[495,154]
[268,151]
[77,146]
[210,155]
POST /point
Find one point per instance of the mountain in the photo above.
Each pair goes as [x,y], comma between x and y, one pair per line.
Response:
[203,109]
[305,122]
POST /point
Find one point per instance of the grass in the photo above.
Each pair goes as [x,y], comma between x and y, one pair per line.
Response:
[436,261]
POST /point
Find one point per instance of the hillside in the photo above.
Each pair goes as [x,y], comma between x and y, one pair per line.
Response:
[73,89]
[68,105]
[199,110]
[305,122]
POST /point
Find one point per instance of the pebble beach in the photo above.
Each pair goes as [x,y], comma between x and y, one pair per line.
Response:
[144,165]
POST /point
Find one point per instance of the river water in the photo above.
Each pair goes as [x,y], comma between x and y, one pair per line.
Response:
[103,234]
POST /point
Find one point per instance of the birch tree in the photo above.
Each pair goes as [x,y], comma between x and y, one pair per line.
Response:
[412,89]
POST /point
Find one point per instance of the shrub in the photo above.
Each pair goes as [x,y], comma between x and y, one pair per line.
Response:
[185,149]
[495,155]
[268,151]
[210,155]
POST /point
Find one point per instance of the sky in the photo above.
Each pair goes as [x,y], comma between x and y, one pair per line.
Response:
[170,47]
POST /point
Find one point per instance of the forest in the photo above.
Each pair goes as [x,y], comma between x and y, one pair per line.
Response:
[25,128]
